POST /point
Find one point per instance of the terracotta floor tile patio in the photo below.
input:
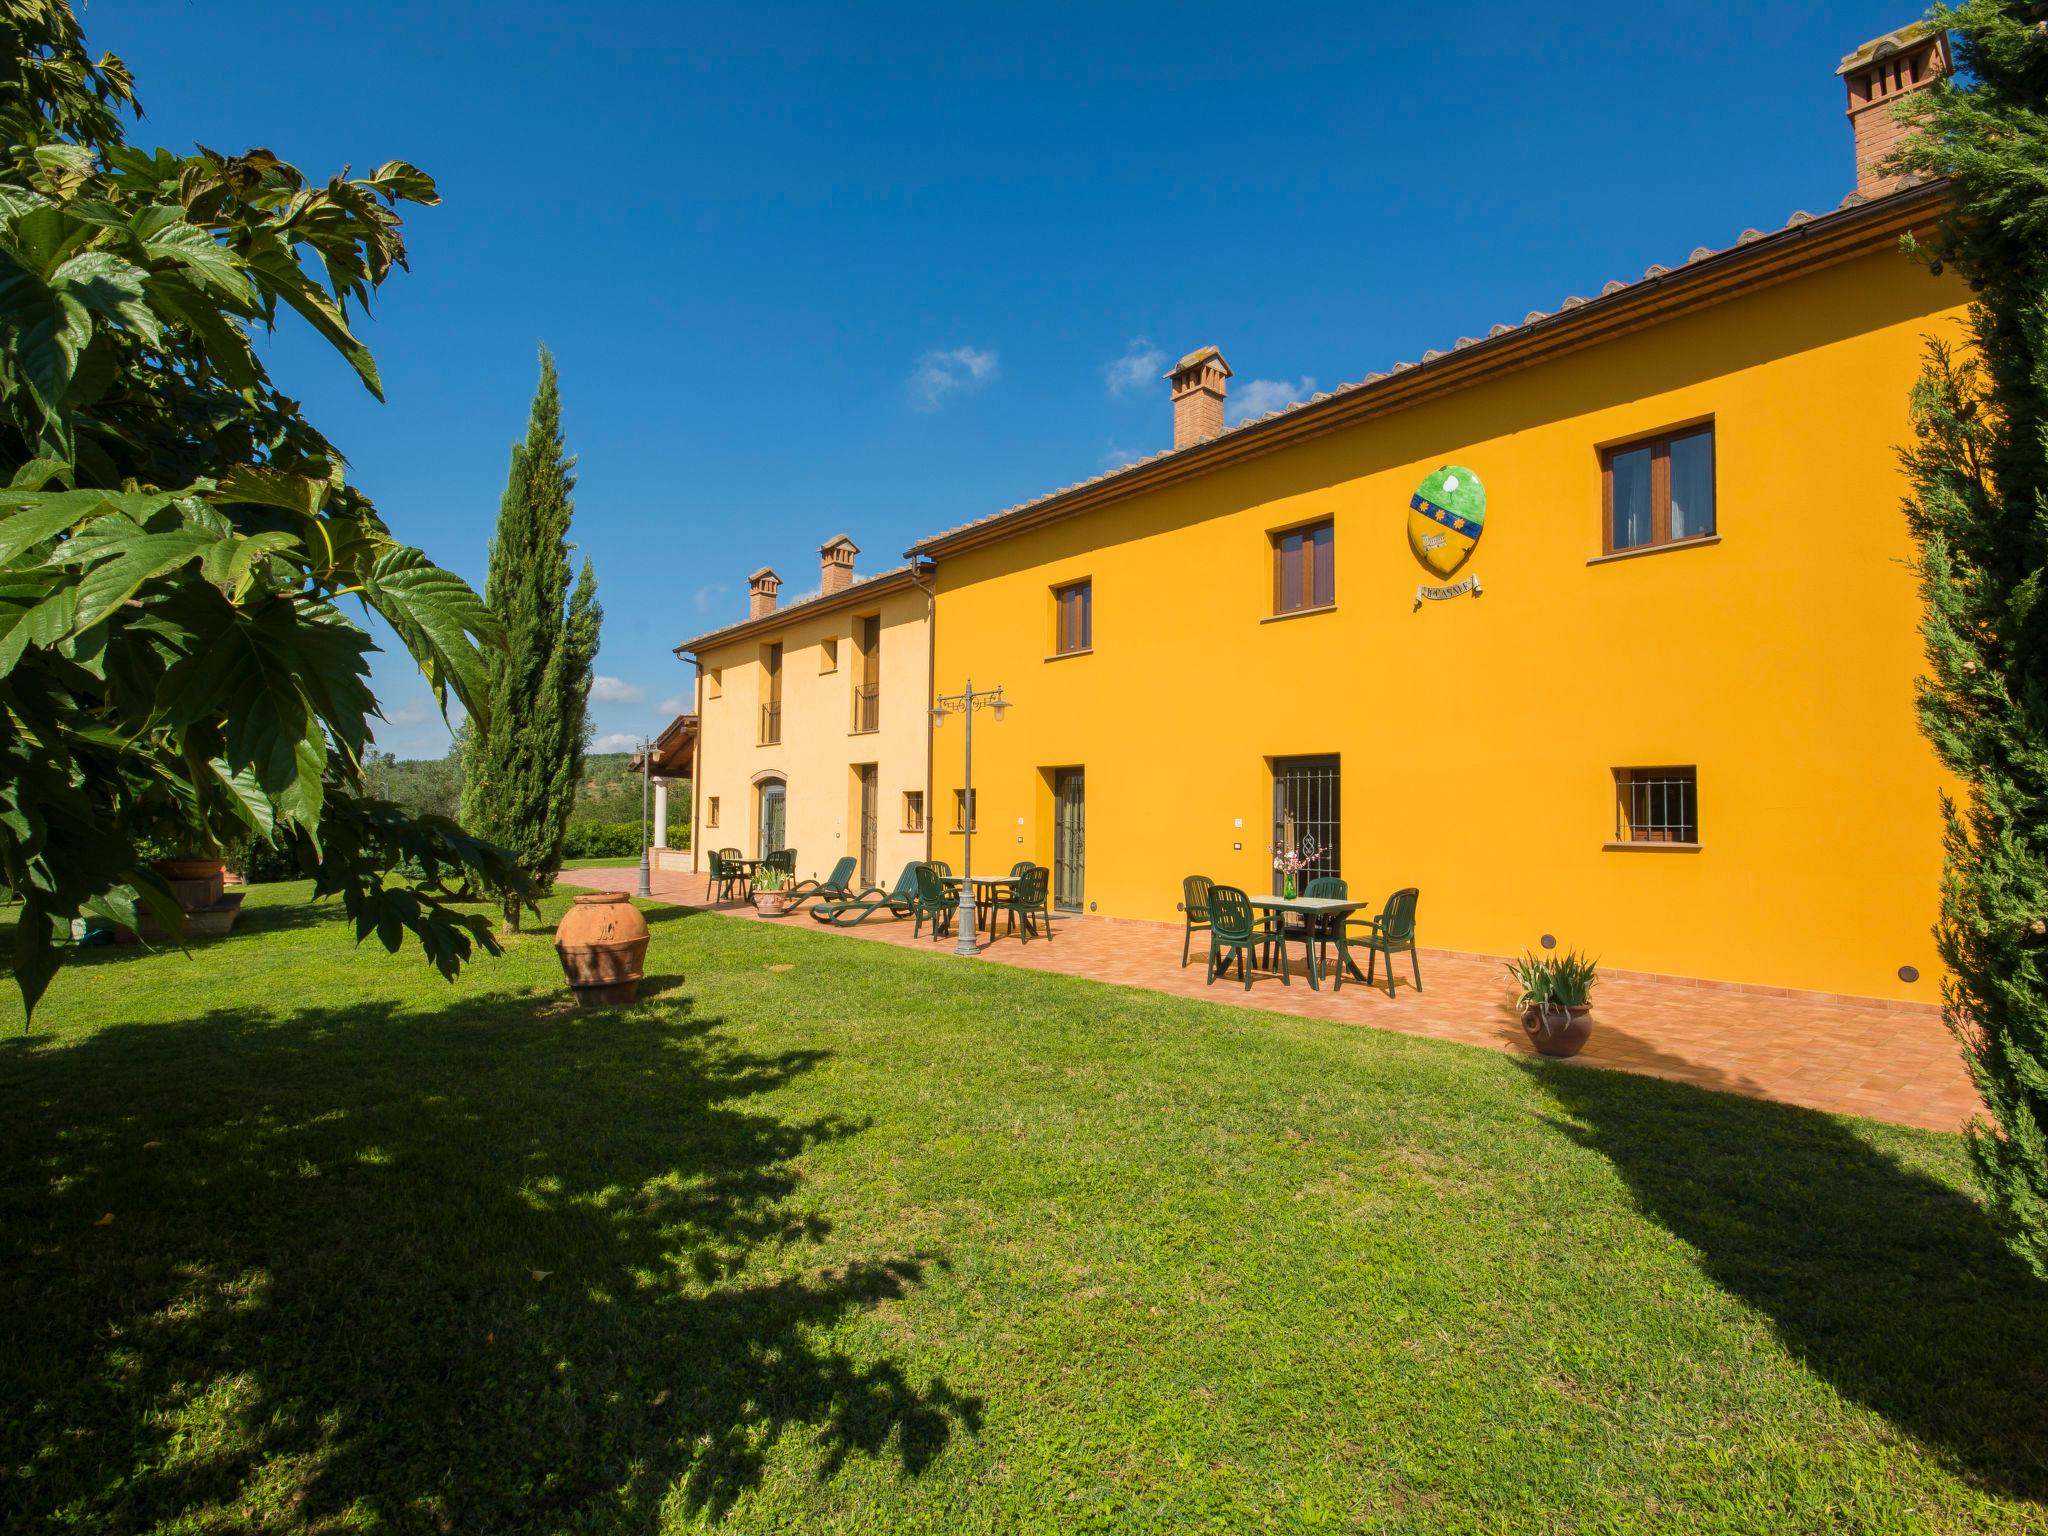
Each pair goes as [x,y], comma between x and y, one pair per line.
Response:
[1886,1061]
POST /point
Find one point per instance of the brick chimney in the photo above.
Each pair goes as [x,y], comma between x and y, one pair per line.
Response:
[836,561]
[1198,390]
[1878,74]
[761,589]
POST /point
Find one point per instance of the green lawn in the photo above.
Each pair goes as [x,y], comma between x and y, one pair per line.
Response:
[831,1237]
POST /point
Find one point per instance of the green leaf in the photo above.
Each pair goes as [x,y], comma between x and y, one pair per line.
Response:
[436,614]
[284,277]
[108,286]
[213,268]
[44,330]
[110,583]
[274,488]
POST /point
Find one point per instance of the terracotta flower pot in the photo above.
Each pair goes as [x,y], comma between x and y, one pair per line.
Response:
[1558,1031]
[770,903]
[195,883]
[602,940]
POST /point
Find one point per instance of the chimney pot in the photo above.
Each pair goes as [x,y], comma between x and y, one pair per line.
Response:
[761,589]
[1878,75]
[835,558]
[1198,390]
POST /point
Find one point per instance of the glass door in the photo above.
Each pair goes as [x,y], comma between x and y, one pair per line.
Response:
[870,819]
[1069,839]
[773,797]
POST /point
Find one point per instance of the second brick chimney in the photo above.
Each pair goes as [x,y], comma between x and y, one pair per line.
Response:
[761,589]
[835,558]
[1198,389]
[1878,74]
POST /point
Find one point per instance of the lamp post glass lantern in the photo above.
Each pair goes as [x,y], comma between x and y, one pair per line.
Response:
[966,703]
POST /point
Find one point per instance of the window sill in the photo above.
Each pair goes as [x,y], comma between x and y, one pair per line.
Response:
[1640,550]
[873,730]
[1299,613]
[1086,650]
[1649,846]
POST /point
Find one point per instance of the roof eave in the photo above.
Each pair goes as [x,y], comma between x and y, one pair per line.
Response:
[831,602]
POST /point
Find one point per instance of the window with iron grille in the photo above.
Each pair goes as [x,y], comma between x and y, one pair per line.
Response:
[1073,618]
[963,810]
[913,810]
[1307,819]
[1305,568]
[1656,805]
[711,811]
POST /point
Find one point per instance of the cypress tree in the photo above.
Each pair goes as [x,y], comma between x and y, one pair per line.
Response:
[520,775]
[1979,513]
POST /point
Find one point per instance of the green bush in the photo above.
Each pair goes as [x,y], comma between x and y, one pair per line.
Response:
[601,840]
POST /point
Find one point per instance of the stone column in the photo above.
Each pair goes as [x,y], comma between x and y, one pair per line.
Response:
[661,813]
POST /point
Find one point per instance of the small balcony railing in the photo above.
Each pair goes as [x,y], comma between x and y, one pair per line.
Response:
[867,708]
[771,725]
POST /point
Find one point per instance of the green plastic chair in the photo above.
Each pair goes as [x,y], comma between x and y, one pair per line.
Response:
[900,900]
[837,886]
[1234,930]
[1027,901]
[1389,934]
[934,901]
[1194,902]
[783,859]
[943,869]
[735,878]
[1022,867]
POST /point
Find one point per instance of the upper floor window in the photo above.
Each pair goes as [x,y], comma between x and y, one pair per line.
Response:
[771,694]
[1073,618]
[714,682]
[1305,568]
[828,654]
[867,683]
[1657,805]
[963,810]
[1659,490]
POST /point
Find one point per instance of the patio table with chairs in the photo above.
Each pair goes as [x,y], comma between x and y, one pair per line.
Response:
[1242,926]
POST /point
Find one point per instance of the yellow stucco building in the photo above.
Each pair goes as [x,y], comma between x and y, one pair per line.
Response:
[1598,629]
[812,722]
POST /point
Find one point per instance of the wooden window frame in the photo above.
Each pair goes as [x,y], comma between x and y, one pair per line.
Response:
[1060,635]
[966,806]
[711,810]
[1659,444]
[1304,582]
[913,802]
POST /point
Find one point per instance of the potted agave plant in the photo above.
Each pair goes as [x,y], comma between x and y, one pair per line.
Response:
[1555,994]
[771,886]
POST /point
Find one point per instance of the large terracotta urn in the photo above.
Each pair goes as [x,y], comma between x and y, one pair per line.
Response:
[602,940]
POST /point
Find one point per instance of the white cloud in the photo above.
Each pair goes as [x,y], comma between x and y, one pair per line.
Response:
[612,690]
[706,596]
[616,741]
[676,704]
[1138,367]
[939,375]
[1262,395]
[415,713]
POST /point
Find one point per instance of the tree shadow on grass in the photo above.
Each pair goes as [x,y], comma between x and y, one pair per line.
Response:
[1888,1283]
[494,1268]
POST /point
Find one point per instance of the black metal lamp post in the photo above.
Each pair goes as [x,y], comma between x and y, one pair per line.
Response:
[646,785]
[966,703]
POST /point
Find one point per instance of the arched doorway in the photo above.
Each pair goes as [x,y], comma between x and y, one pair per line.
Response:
[773,820]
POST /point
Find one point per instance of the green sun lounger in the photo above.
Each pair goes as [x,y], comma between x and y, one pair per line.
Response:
[899,901]
[837,886]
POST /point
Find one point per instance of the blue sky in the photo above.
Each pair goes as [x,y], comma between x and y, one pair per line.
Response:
[879,271]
